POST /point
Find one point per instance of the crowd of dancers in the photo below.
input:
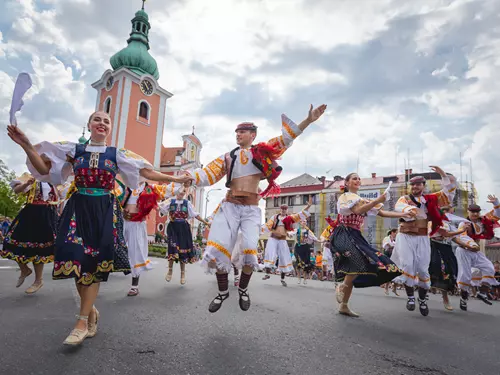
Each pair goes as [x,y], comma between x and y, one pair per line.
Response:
[87,205]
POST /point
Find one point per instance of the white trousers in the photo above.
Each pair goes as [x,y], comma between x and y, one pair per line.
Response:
[136,236]
[467,260]
[278,249]
[327,258]
[412,254]
[236,257]
[223,236]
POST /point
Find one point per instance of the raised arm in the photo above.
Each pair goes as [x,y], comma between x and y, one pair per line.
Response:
[22,187]
[152,175]
[290,130]
[494,215]
[447,193]
[18,136]
[361,208]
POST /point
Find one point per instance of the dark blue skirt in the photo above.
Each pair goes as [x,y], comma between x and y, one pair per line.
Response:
[355,256]
[31,236]
[180,242]
[443,267]
[303,256]
[90,242]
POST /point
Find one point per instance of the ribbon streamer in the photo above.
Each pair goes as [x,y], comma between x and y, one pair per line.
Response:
[23,84]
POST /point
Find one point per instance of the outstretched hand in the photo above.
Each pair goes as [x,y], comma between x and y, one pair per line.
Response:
[437,169]
[492,199]
[18,136]
[316,113]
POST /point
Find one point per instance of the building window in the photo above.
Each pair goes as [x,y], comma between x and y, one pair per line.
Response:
[160,227]
[283,200]
[144,112]
[276,202]
[291,201]
[193,153]
[107,105]
[144,28]
[305,199]
[311,222]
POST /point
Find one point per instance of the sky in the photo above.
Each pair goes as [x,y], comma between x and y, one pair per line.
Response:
[400,77]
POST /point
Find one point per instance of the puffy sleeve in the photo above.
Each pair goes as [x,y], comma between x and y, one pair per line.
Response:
[289,131]
[191,211]
[166,191]
[209,175]
[312,236]
[130,165]
[402,205]
[346,202]
[386,243]
[302,215]
[164,207]
[59,154]
[267,227]
[494,215]
[463,238]
[446,195]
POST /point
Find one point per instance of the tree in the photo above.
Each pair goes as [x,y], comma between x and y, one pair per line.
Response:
[10,203]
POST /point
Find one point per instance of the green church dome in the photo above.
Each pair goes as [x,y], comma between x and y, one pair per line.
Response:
[82,140]
[136,56]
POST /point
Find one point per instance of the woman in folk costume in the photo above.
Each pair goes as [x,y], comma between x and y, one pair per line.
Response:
[469,254]
[137,204]
[89,241]
[179,236]
[443,268]
[281,226]
[358,263]
[30,238]
[305,239]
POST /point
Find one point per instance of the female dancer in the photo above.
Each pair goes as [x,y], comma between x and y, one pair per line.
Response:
[137,204]
[180,239]
[89,240]
[443,267]
[358,264]
[305,238]
[30,238]
[327,253]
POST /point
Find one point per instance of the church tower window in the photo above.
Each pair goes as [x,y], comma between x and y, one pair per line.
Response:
[107,105]
[144,111]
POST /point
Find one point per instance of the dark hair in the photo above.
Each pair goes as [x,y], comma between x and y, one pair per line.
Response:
[347,178]
[392,230]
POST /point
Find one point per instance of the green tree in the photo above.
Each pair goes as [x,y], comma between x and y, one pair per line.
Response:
[10,203]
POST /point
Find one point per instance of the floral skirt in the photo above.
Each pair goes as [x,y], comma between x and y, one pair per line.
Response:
[356,257]
[443,267]
[180,242]
[90,242]
[31,236]
[303,256]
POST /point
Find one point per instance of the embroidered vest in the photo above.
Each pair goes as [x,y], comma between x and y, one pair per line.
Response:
[102,177]
[178,213]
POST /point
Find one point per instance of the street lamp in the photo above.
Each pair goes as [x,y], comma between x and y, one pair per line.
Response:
[206,201]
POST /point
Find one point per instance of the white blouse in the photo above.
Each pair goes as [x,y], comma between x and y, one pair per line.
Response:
[165,207]
[129,163]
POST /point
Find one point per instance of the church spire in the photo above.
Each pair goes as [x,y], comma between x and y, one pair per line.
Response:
[136,56]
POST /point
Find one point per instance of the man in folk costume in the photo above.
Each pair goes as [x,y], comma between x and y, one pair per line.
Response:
[469,255]
[277,247]
[412,252]
[244,167]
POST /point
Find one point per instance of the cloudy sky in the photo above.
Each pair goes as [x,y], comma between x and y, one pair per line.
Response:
[397,75]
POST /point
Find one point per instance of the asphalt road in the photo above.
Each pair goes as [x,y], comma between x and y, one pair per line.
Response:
[167,329]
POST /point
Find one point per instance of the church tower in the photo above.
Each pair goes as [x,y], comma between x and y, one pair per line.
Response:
[130,93]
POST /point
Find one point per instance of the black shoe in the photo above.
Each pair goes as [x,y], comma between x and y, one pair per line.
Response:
[215,306]
[463,304]
[410,306]
[283,282]
[244,299]
[484,298]
[424,309]
[266,277]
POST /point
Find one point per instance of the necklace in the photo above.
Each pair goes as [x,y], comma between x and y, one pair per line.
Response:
[94,143]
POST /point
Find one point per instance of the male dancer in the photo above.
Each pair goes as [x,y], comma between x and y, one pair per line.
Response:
[469,255]
[412,252]
[277,247]
[244,167]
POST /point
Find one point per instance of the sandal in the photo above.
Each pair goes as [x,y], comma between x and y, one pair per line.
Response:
[183,277]
[168,276]
[133,291]
[217,302]
[244,299]
[77,336]
[21,279]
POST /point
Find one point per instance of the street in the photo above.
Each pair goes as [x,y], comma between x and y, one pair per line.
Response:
[167,329]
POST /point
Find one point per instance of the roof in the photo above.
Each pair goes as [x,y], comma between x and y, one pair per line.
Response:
[168,155]
[302,180]
[193,139]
